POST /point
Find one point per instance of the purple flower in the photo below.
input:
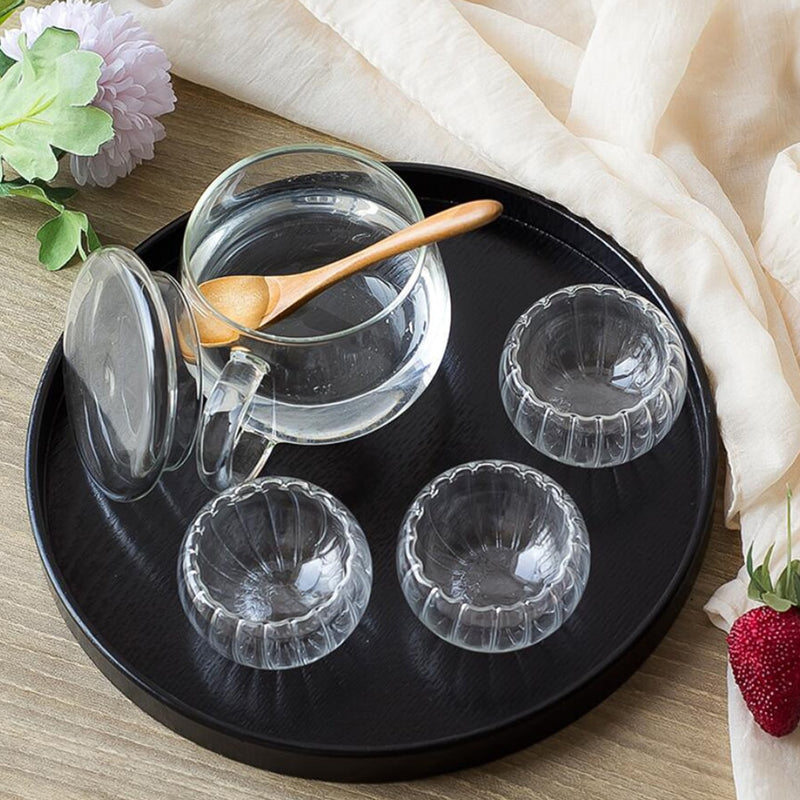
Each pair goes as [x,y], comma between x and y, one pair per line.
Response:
[134,86]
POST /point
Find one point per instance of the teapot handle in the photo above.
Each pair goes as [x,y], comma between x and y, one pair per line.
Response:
[228,453]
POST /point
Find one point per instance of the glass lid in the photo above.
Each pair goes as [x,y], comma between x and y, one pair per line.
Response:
[131,372]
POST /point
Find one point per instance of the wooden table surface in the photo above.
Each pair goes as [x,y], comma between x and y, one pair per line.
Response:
[65,732]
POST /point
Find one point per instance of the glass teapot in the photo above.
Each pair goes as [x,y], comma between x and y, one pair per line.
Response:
[342,365]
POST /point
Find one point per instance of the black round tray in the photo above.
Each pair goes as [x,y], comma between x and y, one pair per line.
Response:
[394,702]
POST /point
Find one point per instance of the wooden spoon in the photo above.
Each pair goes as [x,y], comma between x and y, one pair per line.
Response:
[253,301]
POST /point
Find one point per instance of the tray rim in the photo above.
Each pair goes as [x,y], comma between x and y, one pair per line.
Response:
[608,676]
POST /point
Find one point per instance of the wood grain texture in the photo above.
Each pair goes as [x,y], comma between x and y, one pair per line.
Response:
[65,732]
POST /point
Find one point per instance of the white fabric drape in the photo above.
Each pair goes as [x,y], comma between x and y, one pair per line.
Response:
[670,124]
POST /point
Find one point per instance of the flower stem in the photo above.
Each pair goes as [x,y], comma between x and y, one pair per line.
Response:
[789,525]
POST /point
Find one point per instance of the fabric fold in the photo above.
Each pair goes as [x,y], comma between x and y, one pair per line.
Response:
[779,243]
[636,56]
[547,63]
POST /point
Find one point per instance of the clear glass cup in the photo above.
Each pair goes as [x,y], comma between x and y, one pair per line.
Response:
[275,573]
[352,358]
[493,556]
[593,375]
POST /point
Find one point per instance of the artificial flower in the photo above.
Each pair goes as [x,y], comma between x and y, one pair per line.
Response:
[134,85]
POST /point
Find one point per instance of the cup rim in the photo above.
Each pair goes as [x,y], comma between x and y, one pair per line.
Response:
[409,538]
[199,299]
[231,496]
[511,369]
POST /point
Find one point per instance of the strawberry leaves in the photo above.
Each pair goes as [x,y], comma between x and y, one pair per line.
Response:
[785,592]
[788,584]
[760,580]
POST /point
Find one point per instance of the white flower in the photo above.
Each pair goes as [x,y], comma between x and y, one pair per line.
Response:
[134,86]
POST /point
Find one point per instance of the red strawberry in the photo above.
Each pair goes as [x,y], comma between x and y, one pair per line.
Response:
[764,650]
[764,644]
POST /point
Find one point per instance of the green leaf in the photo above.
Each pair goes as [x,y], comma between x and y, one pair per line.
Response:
[58,194]
[754,592]
[8,7]
[793,581]
[760,580]
[6,62]
[761,576]
[775,602]
[784,586]
[44,105]
[92,239]
[30,191]
[60,238]
[767,557]
[786,592]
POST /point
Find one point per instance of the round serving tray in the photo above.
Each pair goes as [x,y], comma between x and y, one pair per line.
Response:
[394,702]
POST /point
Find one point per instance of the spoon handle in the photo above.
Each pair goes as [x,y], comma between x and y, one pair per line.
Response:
[451,222]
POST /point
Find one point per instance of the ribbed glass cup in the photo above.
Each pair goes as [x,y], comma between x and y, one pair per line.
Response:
[275,573]
[593,375]
[493,556]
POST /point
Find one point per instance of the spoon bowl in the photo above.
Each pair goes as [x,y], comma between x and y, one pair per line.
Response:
[248,294]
